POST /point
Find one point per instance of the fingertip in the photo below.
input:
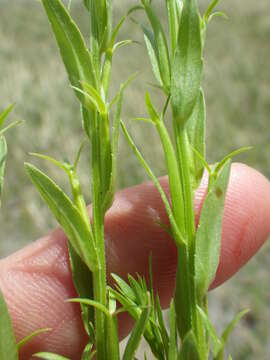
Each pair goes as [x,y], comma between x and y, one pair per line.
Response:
[246,220]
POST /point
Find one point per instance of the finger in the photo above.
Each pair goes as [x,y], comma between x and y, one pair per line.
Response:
[37,280]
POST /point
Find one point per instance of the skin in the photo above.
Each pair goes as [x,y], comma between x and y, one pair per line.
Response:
[36,280]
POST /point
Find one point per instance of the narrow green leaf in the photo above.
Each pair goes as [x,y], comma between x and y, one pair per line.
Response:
[10,126]
[92,100]
[152,52]
[67,215]
[116,30]
[122,43]
[229,329]
[50,356]
[100,19]
[8,348]
[93,93]
[196,138]
[155,86]
[174,181]
[134,8]
[3,155]
[173,20]
[209,327]
[5,113]
[139,291]
[125,289]
[150,286]
[163,331]
[187,63]
[210,9]
[131,307]
[208,237]
[165,107]
[87,116]
[83,282]
[74,52]
[151,110]
[59,164]
[161,45]
[219,351]
[92,303]
[124,309]
[173,351]
[137,333]
[202,160]
[189,348]
[87,352]
[134,294]
[230,156]
[153,337]
[178,236]
[26,339]
[218,14]
[69,5]
[78,155]
[122,88]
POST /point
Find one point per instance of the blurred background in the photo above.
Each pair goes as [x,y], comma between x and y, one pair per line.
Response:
[237,88]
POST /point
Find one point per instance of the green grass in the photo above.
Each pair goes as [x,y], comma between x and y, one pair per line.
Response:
[237,87]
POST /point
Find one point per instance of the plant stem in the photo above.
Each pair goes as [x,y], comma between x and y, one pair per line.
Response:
[183,157]
[99,277]
[185,305]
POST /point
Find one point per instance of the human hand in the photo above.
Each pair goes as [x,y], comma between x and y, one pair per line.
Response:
[36,281]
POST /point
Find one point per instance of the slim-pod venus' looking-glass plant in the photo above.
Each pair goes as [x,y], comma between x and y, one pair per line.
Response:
[177,61]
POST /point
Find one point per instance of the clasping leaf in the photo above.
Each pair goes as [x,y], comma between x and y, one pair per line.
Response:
[187,63]
[208,237]
[75,55]
[196,138]
[158,46]
[189,348]
[137,332]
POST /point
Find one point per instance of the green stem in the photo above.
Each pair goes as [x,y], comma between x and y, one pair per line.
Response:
[173,174]
[185,304]
[182,153]
[105,155]
[183,293]
[99,277]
